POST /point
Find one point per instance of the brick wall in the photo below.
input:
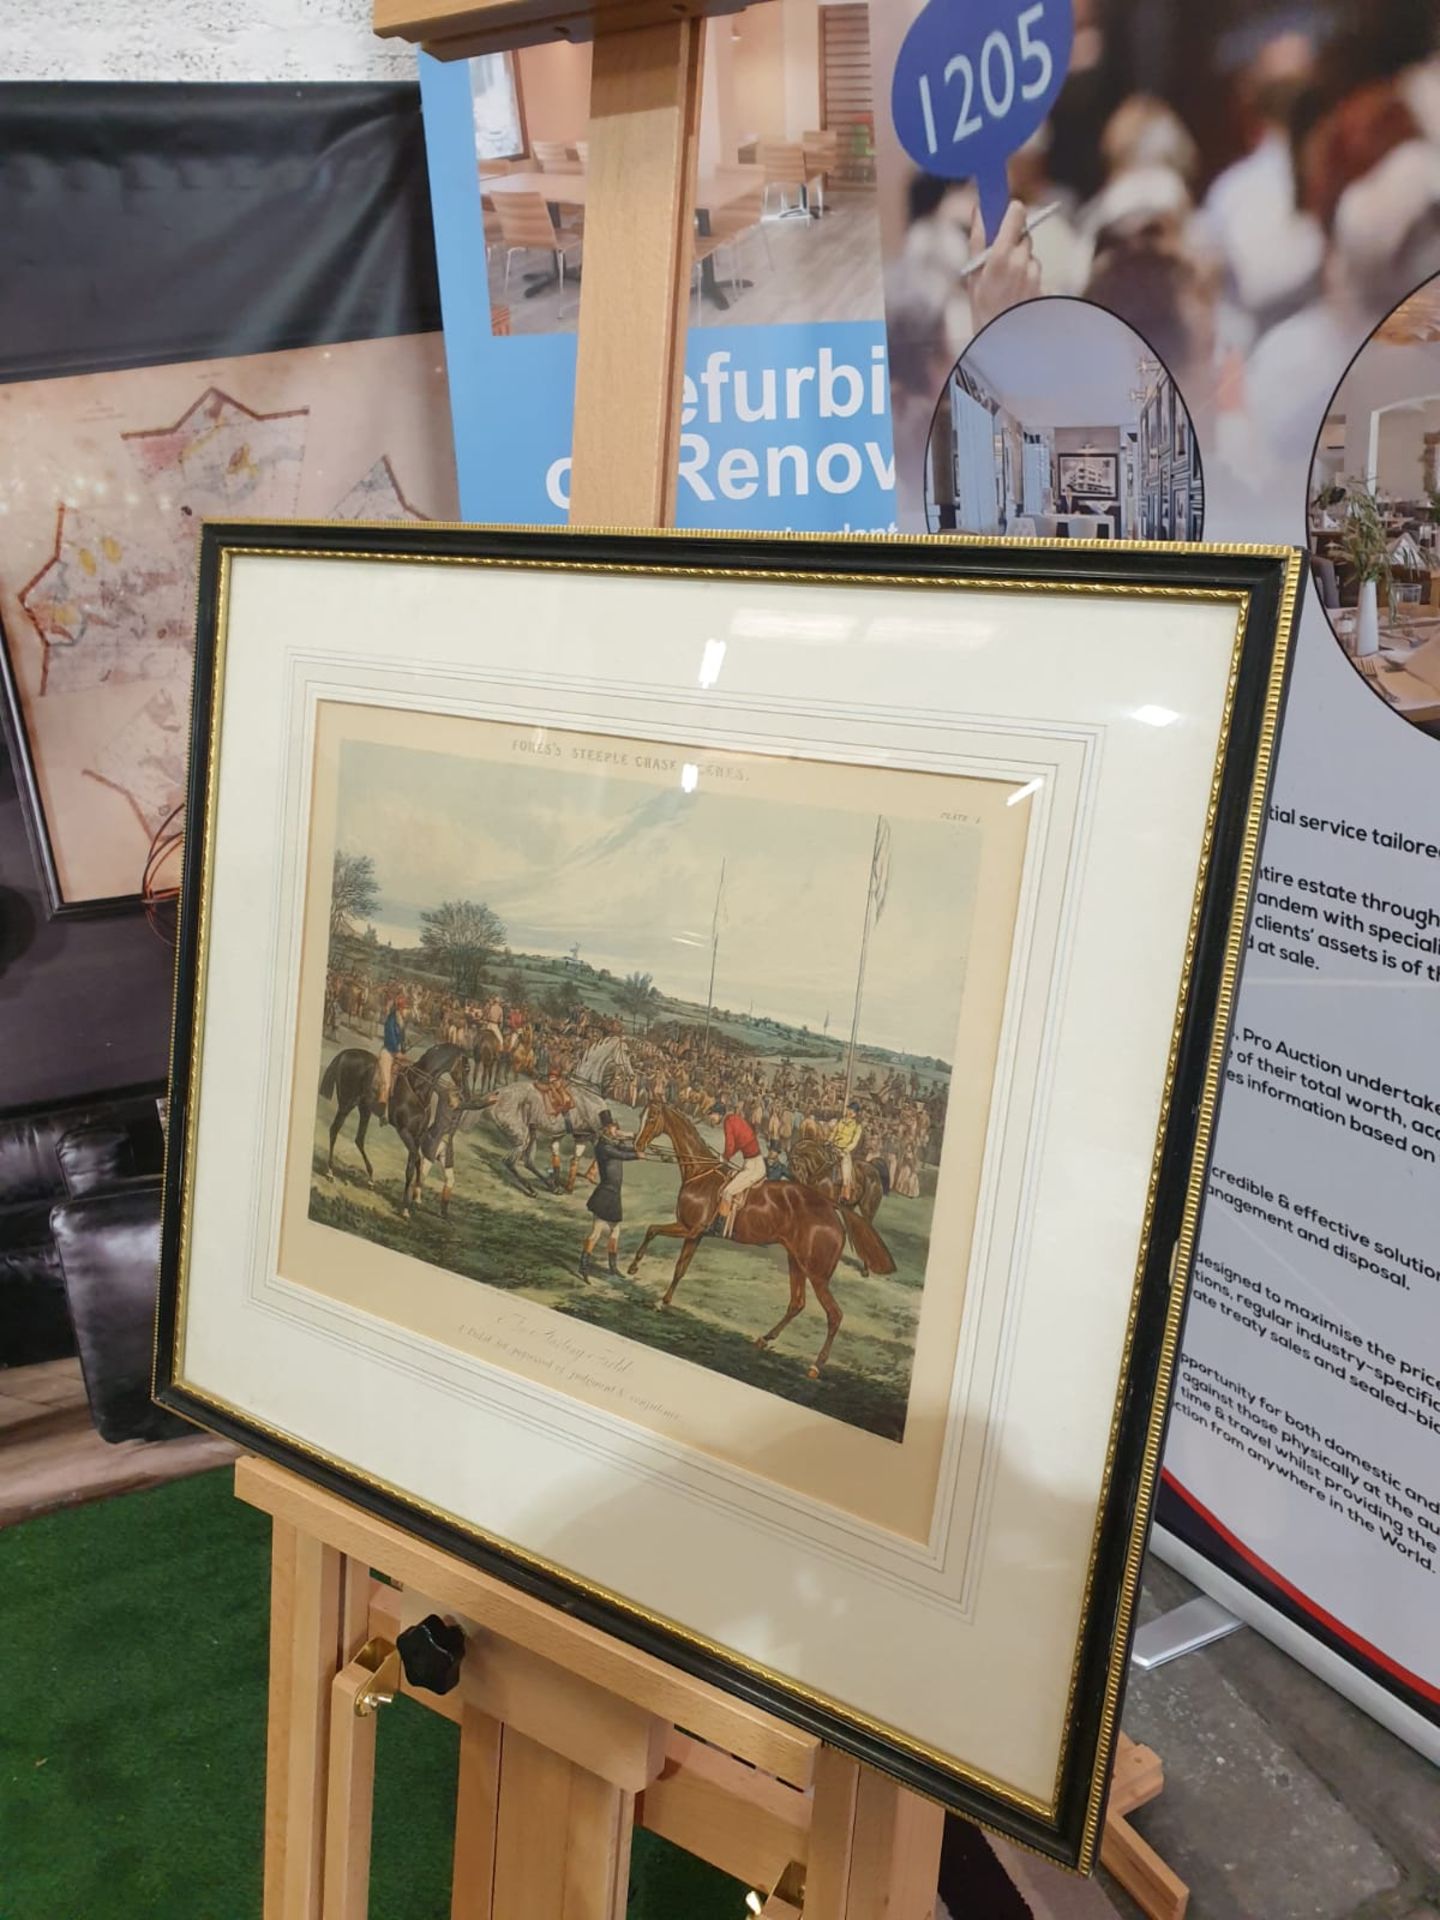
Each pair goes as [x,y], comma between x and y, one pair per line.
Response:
[196,40]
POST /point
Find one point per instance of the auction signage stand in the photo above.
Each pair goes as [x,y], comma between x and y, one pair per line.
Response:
[570,1738]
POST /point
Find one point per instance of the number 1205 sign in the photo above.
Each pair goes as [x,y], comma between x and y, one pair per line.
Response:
[974,79]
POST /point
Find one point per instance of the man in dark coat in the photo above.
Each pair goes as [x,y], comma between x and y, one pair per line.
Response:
[612,1150]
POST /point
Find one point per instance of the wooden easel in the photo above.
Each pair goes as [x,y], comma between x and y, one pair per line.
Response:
[569,1739]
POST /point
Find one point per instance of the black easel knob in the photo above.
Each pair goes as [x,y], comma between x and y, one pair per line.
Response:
[431,1652]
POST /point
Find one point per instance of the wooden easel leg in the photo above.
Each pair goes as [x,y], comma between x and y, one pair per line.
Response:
[895,1863]
[832,1835]
[644,119]
[1155,1888]
[874,1846]
[277,1736]
[305,1635]
[349,1799]
[563,1845]
[356,1585]
[350,1781]
[476,1805]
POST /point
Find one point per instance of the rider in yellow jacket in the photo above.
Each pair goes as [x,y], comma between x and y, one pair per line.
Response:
[846,1135]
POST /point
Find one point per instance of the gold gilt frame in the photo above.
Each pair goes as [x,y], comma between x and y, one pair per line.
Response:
[1262,584]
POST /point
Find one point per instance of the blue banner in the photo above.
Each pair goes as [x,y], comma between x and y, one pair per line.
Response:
[783,428]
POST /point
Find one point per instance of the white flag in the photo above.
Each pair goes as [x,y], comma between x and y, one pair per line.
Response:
[880,867]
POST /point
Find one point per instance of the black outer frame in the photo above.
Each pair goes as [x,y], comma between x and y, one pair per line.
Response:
[32,806]
[1263,573]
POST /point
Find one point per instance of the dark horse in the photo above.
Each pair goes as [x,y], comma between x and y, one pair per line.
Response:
[778,1213]
[814,1163]
[428,1098]
[350,1081]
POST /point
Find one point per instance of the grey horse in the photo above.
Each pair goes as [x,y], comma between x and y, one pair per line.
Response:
[520,1112]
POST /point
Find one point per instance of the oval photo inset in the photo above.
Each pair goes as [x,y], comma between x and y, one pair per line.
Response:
[1059,422]
[1374,511]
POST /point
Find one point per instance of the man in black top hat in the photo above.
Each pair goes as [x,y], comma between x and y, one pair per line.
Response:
[612,1150]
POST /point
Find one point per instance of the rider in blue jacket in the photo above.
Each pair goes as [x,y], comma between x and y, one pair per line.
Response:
[392,1048]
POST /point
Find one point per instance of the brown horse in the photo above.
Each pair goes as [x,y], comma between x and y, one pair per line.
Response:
[522,1054]
[815,1163]
[494,1061]
[779,1213]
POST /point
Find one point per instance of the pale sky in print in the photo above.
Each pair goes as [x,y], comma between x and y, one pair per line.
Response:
[630,870]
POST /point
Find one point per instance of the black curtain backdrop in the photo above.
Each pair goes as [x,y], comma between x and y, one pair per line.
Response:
[150,224]
[147,224]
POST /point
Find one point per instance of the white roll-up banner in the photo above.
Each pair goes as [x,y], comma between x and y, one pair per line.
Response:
[1226,320]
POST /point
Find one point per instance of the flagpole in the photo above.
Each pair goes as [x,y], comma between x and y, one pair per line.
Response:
[714,957]
[864,950]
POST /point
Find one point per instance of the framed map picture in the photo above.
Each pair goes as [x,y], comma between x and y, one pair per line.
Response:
[695,1061]
[105,478]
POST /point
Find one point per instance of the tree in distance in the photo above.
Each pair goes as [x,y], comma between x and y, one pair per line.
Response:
[639,996]
[459,938]
[563,999]
[354,892]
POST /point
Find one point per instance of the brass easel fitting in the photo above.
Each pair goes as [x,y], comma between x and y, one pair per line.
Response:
[786,1897]
[382,1659]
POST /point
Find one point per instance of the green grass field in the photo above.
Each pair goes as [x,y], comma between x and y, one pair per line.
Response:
[500,1237]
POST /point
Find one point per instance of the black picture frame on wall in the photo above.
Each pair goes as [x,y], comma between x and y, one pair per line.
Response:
[32,807]
[1260,585]
[85,1000]
[1090,476]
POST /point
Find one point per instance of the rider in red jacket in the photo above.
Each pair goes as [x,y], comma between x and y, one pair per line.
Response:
[740,1141]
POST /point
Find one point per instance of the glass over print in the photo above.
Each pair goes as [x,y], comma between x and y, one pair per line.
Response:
[693,1066]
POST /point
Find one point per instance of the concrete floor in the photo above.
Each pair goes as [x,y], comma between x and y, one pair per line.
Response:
[1282,1801]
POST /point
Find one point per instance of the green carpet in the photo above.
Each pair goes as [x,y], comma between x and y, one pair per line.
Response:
[132,1731]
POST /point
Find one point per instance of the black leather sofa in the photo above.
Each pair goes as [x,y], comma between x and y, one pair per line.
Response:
[79,1249]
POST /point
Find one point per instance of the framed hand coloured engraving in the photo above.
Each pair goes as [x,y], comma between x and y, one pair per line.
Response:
[694,1067]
